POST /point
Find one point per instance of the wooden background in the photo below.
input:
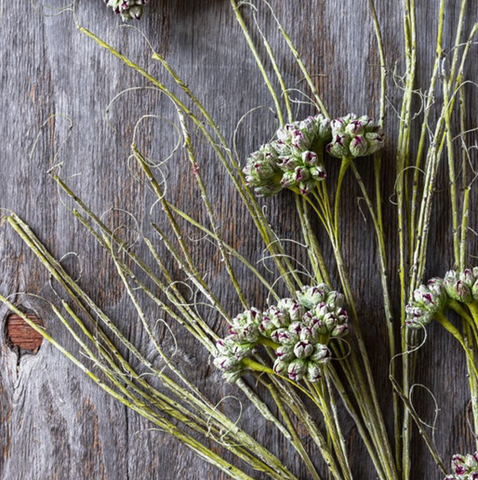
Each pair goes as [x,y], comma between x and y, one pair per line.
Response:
[54,422]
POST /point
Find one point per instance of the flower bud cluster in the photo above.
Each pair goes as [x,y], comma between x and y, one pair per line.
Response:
[128,9]
[355,137]
[297,146]
[293,160]
[464,467]
[428,300]
[299,330]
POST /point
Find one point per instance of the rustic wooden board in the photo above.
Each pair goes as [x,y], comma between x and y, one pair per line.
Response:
[56,424]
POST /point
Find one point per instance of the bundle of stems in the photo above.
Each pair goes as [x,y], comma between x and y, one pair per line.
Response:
[164,394]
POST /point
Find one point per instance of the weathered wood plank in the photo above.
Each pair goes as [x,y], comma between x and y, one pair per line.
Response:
[56,424]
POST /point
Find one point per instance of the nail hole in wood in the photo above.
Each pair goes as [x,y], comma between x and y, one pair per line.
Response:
[20,336]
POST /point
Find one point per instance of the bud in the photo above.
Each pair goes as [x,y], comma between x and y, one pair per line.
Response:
[280,367]
[297,369]
[321,354]
[266,326]
[308,334]
[305,134]
[340,331]
[335,300]
[416,316]
[224,363]
[285,353]
[314,373]
[330,318]
[277,334]
[298,146]
[303,349]
[355,137]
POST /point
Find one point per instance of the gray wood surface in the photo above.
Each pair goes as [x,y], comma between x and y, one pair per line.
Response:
[54,422]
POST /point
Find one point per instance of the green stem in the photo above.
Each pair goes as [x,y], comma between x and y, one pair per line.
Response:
[455,332]
[344,166]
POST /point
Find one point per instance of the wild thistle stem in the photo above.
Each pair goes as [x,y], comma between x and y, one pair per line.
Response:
[344,166]
[409,24]
[328,394]
[464,172]
[300,63]
[188,318]
[451,173]
[419,423]
[232,167]
[313,248]
[257,58]
[291,428]
[275,67]
[368,392]
[209,209]
[231,250]
[332,431]
[295,404]
[443,320]
[357,420]
[195,275]
[202,451]
[380,232]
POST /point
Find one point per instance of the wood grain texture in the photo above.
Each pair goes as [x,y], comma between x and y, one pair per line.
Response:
[54,422]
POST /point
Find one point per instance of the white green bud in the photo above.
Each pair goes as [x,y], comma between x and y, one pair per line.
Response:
[304,134]
[297,369]
[303,348]
[314,372]
[300,328]
[280,367]
[321,354]
[285,353]
[355,137]
[298,146]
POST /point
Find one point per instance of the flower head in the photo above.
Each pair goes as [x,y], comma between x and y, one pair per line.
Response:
[298,145]
[300,329]
[462,286]
[262,171]
[464,467]
[127,9]
[428,300]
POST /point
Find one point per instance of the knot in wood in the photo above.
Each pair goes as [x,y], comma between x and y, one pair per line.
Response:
[22,336]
